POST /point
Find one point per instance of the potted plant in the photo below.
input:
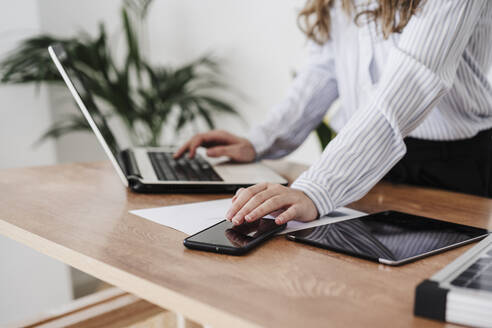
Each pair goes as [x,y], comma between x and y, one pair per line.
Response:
[143,96]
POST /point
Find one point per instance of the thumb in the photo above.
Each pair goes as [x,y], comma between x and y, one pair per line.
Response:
[220,151]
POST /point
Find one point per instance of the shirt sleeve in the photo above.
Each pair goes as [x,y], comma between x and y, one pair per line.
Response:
[421,68]
[307,101]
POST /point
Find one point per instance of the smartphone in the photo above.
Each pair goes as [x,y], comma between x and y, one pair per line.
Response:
[226,238]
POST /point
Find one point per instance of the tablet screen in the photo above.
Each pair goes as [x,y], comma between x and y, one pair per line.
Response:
[392,236]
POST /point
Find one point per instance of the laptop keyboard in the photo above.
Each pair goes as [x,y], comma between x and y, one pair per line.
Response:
[182,169]
[478,275]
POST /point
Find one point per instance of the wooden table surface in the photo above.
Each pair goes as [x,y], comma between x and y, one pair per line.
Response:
[78,214]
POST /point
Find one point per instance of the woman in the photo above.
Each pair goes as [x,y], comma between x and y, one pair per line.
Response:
[416,106]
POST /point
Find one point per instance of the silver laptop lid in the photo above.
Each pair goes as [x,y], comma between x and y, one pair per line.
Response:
[88,108]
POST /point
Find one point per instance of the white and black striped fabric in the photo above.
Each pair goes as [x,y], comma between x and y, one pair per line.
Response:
[428,82]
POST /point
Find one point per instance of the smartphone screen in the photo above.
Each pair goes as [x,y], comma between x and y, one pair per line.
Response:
[225,237]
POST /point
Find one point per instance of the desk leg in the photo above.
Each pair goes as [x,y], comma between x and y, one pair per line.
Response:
[111,307]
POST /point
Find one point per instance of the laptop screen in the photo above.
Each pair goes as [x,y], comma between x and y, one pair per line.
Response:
[96,114]
[96,119]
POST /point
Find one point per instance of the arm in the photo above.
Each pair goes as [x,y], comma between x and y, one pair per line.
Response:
[420,70]
[307,101]
[288,125]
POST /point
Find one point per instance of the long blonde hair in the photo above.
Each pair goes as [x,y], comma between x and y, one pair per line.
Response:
[315,21]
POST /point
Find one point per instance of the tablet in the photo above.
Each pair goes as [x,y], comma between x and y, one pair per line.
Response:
[389,237]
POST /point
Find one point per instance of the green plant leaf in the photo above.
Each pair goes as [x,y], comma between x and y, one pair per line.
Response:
[140,7]
[206,116]
[217,104]
[325,134]
[146,101]
[133,57]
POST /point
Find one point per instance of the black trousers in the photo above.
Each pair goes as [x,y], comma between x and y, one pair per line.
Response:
[463,165]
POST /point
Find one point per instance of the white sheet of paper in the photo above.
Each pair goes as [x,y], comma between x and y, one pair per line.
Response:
[188,218]
[194,217]
[341,214]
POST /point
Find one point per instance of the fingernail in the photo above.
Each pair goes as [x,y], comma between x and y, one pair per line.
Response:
[229,214]
[248,217]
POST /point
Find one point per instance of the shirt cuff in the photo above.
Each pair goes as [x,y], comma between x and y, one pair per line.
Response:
[317,193]
[259,141]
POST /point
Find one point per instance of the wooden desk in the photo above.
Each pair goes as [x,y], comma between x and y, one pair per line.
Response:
[78,214]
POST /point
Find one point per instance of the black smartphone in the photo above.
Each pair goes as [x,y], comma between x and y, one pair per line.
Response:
[224,237]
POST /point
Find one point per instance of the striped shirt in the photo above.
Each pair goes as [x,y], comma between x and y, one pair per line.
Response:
[428,82]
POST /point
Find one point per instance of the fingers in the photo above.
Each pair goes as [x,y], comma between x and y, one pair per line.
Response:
[287,215]
[190,146]
[272,204]
[211,137]
[195,142]
[236,195]
[182,150]
[254,202]
[257,201]
[241,152]
[221,151]
[243,195]
[220,136]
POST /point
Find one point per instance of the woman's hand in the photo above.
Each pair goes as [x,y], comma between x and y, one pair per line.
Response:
[262,199]
[220,143]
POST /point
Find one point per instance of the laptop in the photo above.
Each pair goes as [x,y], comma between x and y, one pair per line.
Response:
[154,169]
[462,291]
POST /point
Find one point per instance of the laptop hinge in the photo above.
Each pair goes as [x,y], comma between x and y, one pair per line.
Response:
[130,164]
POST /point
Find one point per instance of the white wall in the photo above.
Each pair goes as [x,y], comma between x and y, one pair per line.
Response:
[258,41]
[24,109]
[29,281]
